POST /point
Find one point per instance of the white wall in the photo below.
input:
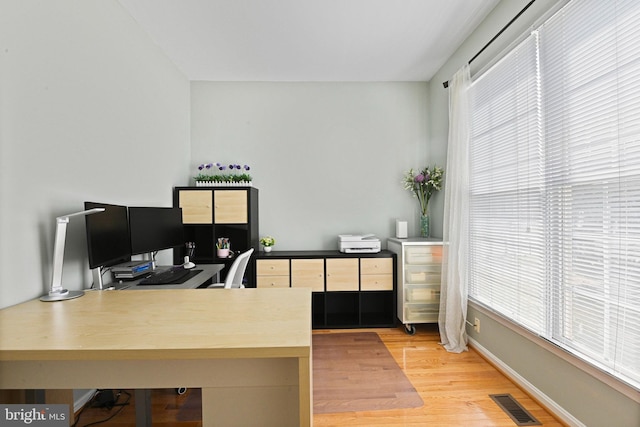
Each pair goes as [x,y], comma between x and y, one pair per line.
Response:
[90,109]
[328,158]
[587,399]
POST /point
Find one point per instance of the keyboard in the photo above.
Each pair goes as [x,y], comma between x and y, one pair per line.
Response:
[170,277]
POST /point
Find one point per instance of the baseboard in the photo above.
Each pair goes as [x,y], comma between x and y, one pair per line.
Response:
[82,400]
[544,400]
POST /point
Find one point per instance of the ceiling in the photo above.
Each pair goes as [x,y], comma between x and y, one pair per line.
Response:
[309,40]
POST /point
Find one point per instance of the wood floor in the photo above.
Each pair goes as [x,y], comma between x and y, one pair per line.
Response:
[455,389]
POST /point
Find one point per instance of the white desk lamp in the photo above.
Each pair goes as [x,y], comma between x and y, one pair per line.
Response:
[57,292]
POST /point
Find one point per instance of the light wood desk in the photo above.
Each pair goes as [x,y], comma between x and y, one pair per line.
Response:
[248,349]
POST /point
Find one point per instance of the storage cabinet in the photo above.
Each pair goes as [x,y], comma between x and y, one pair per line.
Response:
[376,286]
[348,290]
[342,274]
[308,273]
[197,206]
[216,212]
[273,273]
[376,274]
[419,269]
[230,207]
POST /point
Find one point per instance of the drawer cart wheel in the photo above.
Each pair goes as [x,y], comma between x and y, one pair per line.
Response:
[410,329]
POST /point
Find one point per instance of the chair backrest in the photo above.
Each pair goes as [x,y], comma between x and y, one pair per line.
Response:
[237,269]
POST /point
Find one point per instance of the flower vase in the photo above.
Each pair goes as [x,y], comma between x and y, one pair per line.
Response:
[267,248]
[424,225]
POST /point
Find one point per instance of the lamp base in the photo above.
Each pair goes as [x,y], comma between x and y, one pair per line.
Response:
[61,295]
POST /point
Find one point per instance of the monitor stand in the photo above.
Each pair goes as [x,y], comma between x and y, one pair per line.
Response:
[97,278]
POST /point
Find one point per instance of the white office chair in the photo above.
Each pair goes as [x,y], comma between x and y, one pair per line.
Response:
[236,272]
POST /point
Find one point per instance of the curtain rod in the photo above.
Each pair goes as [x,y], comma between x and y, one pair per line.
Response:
[446,84]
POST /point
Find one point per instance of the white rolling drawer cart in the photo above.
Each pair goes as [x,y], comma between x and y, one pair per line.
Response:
[419,270]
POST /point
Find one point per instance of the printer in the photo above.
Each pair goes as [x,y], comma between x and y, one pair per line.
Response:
[358,243]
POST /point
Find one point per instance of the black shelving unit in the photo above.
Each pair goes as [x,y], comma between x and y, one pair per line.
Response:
[342,309]
[357,307]
[210,213]
[376,308]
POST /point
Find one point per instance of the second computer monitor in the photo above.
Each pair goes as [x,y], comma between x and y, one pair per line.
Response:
[107,235]
[154,228]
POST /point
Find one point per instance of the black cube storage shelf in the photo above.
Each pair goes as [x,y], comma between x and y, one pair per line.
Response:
[209,213]
[356,290]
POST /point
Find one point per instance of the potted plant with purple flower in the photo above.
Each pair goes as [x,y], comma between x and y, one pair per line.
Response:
[218,174]
[422,184]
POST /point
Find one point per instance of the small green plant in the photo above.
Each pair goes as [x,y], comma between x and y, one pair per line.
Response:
[267,241]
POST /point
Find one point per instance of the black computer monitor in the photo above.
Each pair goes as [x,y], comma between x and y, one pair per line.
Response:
[154,228]
[107,235]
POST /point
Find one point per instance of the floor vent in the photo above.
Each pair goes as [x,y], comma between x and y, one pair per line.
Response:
[518,414]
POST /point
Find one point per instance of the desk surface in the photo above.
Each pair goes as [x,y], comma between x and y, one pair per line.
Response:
[160,324]
[208,271]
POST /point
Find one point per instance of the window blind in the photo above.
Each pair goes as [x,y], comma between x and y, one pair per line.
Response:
[506,207]
[555,191]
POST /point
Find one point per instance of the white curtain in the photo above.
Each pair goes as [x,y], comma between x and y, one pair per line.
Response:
[455,268]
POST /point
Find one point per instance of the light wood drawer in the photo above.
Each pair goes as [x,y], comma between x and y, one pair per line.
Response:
[376,266]
[272,282]
[272,267]
[230,206]
[197,206]
[376,282]
[307,273]
[342,274]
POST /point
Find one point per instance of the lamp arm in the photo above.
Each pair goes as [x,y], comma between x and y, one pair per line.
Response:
[82,213]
